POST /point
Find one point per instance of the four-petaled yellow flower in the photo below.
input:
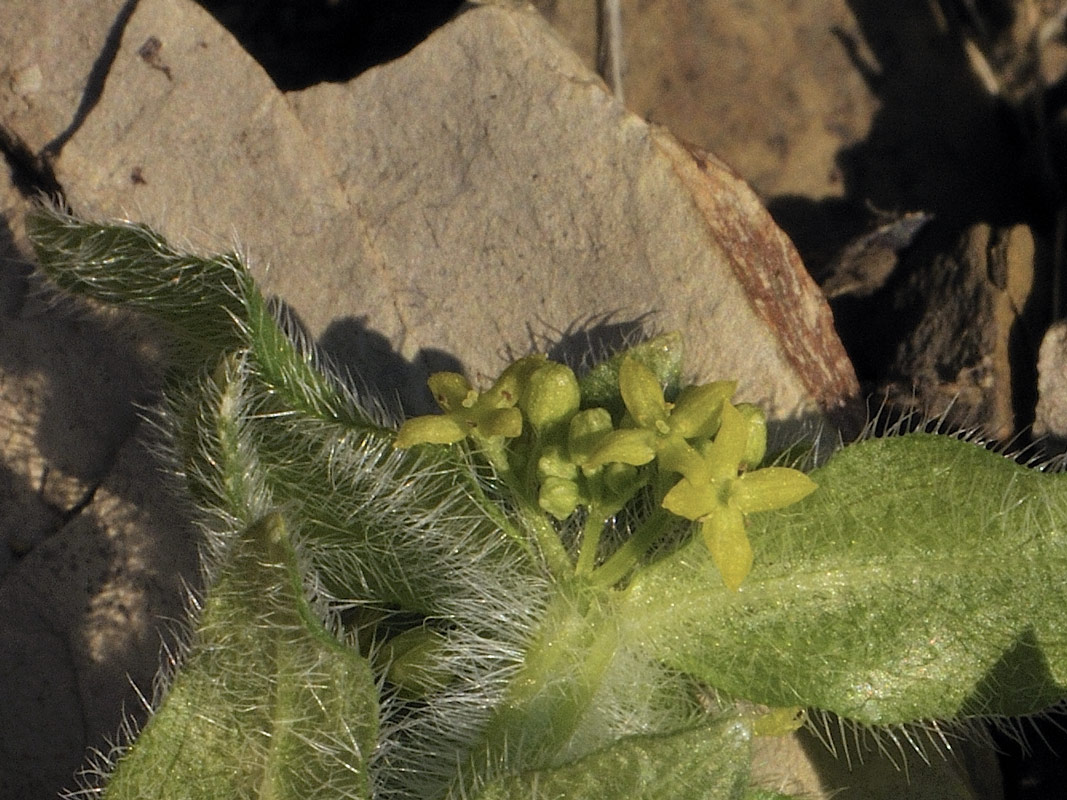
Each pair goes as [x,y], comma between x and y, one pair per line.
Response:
[716,492]
[467,413]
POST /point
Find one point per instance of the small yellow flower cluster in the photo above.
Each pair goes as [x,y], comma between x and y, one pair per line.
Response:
[581,457]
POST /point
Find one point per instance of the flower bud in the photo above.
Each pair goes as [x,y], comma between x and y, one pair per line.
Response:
[551,396]
[620,481]
[414,662]
[558,496]
[507,389]
[553,463]
[698,412]
[586,430]
[643,395]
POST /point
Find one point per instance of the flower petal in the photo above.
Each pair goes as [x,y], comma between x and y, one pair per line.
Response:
[430,429]
[634,446]
[770,488]
[642,394]
[724,534]
[692,500]
[676,455]
[725,453]
[451,390]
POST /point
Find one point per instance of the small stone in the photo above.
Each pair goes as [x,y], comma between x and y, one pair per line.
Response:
[1051,412]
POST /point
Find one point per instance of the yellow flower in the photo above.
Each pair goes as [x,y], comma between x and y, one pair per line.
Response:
[717,493]
[663,429]
[468,413]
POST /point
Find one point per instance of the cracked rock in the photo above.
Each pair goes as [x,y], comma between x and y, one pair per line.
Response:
[969,331]
[481,192]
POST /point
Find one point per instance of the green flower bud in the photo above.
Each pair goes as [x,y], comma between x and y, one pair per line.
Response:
[558,496]
[507,389]
[620,481]
[553,464]
[501,422]
[779,721]
[586,430]
[698,412]
[551,396]
[414,664]
[643,395]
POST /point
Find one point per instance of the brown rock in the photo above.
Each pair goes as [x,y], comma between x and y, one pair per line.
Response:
[770,89]
[970,333]
[1051,413]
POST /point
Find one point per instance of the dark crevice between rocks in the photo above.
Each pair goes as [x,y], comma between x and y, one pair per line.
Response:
[304,42]
[941,144]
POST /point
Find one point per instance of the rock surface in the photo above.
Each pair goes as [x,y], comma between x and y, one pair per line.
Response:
[439,202]
[1052,384]
[966,333]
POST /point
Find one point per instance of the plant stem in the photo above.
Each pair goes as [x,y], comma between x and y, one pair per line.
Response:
[545,533]
[547,700]
[591,532]
[632,550]
[555,554]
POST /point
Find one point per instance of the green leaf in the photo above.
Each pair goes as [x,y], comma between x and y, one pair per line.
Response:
[296,379]
[399,529]
[706,763]
[267,701]
[131,265]
[924,579]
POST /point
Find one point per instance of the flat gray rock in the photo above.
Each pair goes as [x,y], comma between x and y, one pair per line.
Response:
[479,196]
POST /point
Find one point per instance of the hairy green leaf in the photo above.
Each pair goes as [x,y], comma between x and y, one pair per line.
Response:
[133,266]
[923,579]
[706,763]
[267,703]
